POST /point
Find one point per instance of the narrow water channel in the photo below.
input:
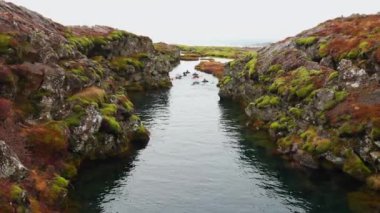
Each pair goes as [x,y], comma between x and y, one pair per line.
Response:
[202,159]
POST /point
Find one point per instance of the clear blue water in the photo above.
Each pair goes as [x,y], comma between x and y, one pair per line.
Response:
[201,158]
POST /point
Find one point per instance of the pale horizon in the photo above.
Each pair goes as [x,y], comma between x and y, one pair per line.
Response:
[206,22]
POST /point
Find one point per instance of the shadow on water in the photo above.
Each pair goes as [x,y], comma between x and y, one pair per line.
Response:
[96,180]
[314,190]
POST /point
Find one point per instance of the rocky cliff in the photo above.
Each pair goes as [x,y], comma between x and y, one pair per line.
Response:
[63,99]
[318,95]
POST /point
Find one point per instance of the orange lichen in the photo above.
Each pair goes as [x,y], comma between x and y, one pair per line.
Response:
[51,137]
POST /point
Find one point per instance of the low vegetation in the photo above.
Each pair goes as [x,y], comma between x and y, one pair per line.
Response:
[210,51]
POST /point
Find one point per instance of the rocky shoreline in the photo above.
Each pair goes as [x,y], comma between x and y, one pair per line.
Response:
[63,100]
[318,95]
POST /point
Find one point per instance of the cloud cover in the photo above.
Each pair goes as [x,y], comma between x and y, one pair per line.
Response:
[202,21]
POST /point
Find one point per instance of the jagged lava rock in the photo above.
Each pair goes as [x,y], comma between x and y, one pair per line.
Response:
[318,93]
[63,99]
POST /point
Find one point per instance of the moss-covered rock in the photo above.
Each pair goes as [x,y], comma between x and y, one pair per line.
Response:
[318,85]
[110,125]
[267,101]
[354,166]
[63,100]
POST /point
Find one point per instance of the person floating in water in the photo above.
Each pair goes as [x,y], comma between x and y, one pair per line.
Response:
[195,75]
[195,82]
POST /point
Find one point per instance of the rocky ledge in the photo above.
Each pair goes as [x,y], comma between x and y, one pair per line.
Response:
[318,94]
[63,100]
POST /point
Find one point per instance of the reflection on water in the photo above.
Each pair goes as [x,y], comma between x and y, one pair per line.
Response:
[202,159]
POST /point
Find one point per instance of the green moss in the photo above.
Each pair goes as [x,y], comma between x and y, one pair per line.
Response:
[306,41]
[112,125]
[125,102]
[108,109]
[311,96]
[375,131]
[277,126]
[313,143]
[264,78]
[74,119]
[296,112]
[323,146]
[98,58]
[117,35]
[353,54]
[283,122]
[58,188]
[333,76]
[61,181]
[212,51]
[351,129]
[233,63]
[309,134]
[278,83]
[304,91]
[134,87]
[165,84]
[266,101]
[128,105]
[5,43]
[121,63]
[275,68]
[69,170]
[299,83]
[134,118]
[251,65]
[82,74]
[364,46]
[323,49]
[285,142]
[142,130]
[77,71]
[16,193]
[339,96]
[81,42]
[227,79]
[354,166]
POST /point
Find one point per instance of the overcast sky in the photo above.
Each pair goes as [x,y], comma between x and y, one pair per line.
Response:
[202,21]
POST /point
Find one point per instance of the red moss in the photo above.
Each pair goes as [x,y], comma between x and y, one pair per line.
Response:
[51,137]
[5,109]
[340,46]
[361,105]
[211,67]
[342,37]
